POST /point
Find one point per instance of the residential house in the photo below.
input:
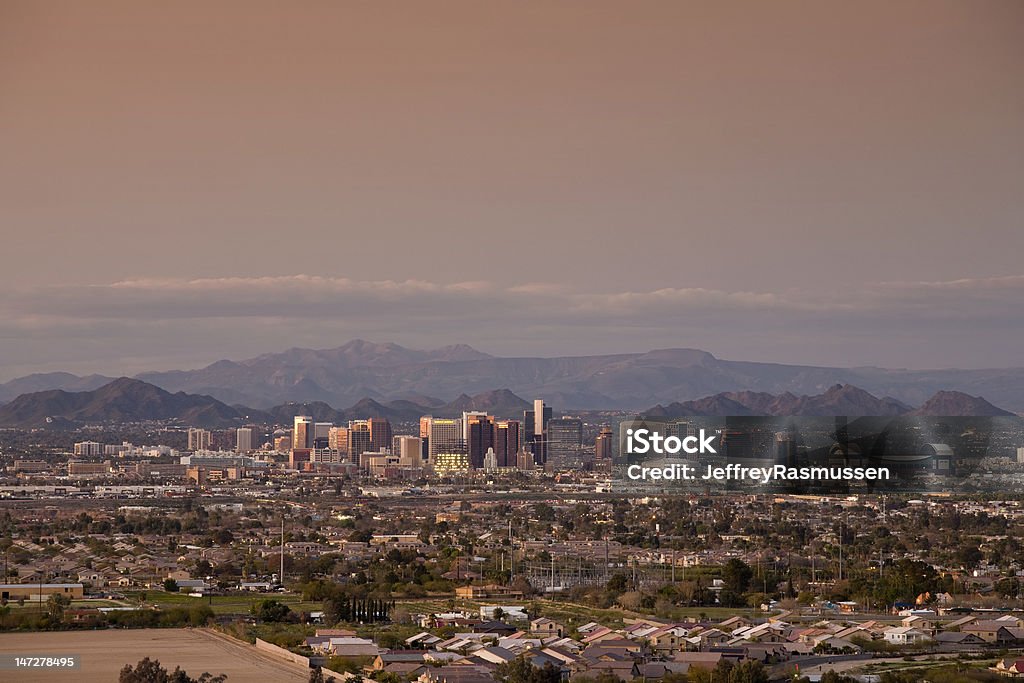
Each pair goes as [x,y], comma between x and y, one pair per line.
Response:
[904,635]
[544,627]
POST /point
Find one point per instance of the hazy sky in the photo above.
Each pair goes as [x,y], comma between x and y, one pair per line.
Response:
[820,182]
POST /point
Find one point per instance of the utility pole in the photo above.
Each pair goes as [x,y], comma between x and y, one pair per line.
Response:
[281,575]
[840,549]
[511,554]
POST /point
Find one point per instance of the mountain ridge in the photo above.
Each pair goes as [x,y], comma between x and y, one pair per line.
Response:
[628,381]
[131,400]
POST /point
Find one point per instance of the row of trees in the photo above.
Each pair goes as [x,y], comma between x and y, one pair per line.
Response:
[521,671]
[57,616]
[361,610]
[150,671]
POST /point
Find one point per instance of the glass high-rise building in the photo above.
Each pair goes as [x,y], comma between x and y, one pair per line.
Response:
[446,436]
[358,440]
[535,430]
[380,433]
[565,441]
[506,442]
[478,429]
[603,445]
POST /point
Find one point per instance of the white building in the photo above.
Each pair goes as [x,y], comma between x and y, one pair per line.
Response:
[904,635]
[88,448]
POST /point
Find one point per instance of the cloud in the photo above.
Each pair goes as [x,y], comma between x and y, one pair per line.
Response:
[1006,282]
[960,322]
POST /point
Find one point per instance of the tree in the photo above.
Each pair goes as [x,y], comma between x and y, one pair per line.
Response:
[56,604]
[1009,587]
[833,677]
[317,676]
[271,610]
[606,677]
[744,672]
[150,671]
[146,671]
[630,600]
[170,585]
[616,584]
[520,670]
[736,574]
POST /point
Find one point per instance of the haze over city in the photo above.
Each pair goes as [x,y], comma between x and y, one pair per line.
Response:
[823,183]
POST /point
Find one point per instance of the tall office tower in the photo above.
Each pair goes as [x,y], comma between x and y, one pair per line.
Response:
[445,437]
[535,428]
[603,444]
[322,434]
[302,432]
[409,451]
[282,444]
[337,439]
[199,440]
[243,439]
[478,430]
[1020,456]
[466,414]
[525,460]
[380,433]
[565,441]
[506,442]
[425,437]
[740,443]
[358,440]
[785,448]
[682,429]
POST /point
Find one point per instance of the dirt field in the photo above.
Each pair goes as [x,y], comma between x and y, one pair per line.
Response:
[103,653]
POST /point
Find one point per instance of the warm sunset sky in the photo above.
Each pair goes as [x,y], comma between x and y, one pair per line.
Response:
[820,182]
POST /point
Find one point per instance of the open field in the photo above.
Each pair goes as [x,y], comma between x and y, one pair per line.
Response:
[103,653]
[227,604]
[238,604]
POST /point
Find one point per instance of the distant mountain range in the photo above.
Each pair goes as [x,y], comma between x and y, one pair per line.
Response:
[841,399]
[122,400]
[387,373]
[132,400]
